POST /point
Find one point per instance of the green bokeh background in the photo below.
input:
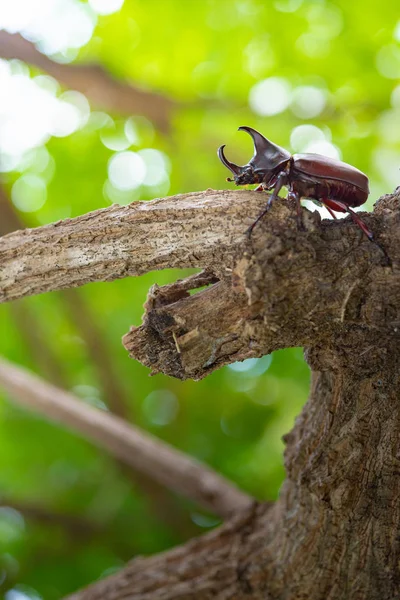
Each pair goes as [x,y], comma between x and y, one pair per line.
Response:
[69,513]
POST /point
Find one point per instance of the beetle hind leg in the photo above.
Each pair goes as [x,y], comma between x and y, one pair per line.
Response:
[330,211]
[343,207]
[360,223]
[292,195]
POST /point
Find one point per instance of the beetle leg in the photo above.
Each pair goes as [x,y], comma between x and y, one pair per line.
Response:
[292,195]
[330,211]
[259,188]
[342,207]
[279,183]
[368,233]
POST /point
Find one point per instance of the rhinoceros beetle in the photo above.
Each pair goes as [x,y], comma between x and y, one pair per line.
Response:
[332,183]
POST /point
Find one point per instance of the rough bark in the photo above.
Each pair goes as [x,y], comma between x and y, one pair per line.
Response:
[189,230]
[322,288]
[333,533]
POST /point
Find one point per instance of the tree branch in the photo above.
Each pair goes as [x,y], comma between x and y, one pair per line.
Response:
[297,282]
[200,229]
[100,87]
[189,230]
[143,452]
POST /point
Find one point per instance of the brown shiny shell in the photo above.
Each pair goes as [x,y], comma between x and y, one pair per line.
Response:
[324,167]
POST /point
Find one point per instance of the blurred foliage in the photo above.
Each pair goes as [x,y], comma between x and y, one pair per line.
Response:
[304,72]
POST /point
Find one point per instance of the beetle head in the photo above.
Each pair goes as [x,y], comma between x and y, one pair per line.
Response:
[268,158]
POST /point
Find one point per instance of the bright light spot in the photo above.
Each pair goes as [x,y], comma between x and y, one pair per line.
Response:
[288,6]
[17,14]
[9,162]
[388,163]
[270,96]
[324,212]
[98,120]
[389,126]
[106,7]
[303,135]
[12,524]
[259,56]
[139,131]
[16,595]
[36,160]
[248,8]
[325,20]
[161,407]
[308,101]
[396,33]
[5,71]
[30,113]
[252,366]
[22,592]
[325,148]
[17,67]
[241,367]
[388,61]
[116,196]
[114,136]
[126,170]
[41,159]
[80,103]
[157,166]
[395,97]
[58,25]
[312,45]
[204,521]
[47,83]
[29,193]
[131,132]
[66,119]
[25,110]
[64,56]
[90,395]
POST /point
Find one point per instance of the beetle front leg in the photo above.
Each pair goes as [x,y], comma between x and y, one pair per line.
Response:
[279,183]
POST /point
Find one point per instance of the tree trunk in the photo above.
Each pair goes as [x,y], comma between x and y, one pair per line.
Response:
[334,531]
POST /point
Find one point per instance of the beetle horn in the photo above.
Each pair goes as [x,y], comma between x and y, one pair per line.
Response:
[231,166]
[264,149]
[261,144]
